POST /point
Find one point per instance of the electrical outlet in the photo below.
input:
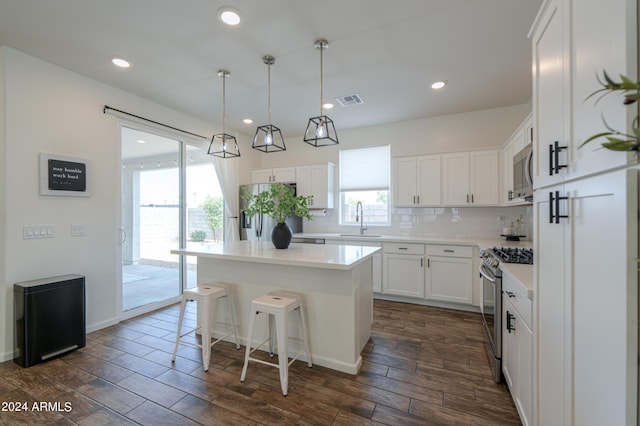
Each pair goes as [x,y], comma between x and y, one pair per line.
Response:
[78,229]
[500,220]
[31,232]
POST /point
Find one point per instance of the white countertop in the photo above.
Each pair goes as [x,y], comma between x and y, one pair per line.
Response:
[522,274]
[342,257]
[480,242]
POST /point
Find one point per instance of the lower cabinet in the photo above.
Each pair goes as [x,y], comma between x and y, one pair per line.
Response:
[517,347]
[449,273]
[403,269]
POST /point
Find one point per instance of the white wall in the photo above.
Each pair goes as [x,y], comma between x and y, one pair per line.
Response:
[47,109]
[457,132]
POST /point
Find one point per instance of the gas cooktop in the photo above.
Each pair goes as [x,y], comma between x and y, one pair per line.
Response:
[513,255]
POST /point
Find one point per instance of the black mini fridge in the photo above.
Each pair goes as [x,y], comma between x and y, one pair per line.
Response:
[49,317]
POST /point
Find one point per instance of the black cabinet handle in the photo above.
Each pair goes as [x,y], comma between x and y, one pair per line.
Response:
[554,158]
[510,326]
[510,294]
[510,195]
[557,201]
[428,263]
[554,201]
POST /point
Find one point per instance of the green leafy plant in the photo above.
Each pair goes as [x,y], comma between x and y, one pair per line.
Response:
[198,235]
[279,202]
[617,140]
[214,209]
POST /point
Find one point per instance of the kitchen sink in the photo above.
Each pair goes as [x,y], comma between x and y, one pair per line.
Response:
[361,235]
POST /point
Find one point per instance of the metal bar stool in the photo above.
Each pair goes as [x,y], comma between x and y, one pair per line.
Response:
[206,297]
[277,305]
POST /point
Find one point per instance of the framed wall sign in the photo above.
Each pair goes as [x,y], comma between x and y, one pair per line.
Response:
[64,176]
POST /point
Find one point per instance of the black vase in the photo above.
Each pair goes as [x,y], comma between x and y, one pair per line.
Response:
[281,236]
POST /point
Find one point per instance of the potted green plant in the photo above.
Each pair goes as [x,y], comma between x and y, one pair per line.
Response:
[619,140]
[279,202]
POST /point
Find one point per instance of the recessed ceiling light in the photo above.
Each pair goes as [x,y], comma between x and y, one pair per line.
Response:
[119,62]
[327,105]
[439,84]
[247,121]
[229,15]
[141,141]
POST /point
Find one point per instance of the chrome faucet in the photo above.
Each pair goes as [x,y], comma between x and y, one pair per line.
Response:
[360,218]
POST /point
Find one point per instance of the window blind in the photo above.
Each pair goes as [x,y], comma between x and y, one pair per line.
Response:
[365,169]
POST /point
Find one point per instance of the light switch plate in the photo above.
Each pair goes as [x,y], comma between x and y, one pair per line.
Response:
[78,229]
[31,232]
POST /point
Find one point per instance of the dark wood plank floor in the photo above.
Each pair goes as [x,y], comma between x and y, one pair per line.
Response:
[422,366]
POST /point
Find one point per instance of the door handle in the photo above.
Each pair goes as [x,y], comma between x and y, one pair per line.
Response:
[123,236]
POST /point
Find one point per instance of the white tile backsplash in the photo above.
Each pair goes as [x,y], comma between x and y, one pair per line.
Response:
[474,222]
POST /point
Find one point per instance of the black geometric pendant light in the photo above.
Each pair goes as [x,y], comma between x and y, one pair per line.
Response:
[224,145]
[268,138]
[320,129]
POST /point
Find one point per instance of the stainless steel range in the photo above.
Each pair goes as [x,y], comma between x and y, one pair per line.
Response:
[492,298]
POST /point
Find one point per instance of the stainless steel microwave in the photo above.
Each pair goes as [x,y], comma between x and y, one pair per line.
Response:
[523,174]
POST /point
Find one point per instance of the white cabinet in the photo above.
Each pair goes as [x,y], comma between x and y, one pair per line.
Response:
[403,271]
[585,277]
[568,55]
[520,138]
[316,180]
[585,271]
[417,181]
[281,174]
[550,91]
[471,178]
[449,273]
[517,347]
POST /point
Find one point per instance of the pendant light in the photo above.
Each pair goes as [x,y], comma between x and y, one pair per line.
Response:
[223,145]
[320,130]
[268,138]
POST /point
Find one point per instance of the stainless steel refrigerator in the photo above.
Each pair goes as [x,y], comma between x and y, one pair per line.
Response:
[258,228]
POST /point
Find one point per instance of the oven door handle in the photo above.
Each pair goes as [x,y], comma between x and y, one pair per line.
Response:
[487,275]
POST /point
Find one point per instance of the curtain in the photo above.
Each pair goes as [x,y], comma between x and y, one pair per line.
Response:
[227,172]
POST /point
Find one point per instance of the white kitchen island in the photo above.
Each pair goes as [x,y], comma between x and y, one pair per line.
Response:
[335,282]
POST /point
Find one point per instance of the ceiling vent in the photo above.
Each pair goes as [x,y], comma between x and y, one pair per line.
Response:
[349,100]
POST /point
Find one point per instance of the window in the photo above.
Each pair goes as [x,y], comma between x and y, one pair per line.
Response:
[364,177]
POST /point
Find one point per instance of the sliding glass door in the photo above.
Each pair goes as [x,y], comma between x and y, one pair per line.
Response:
[171,198]
[151,219]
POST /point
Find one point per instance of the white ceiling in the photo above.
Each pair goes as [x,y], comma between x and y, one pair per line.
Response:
[386,51]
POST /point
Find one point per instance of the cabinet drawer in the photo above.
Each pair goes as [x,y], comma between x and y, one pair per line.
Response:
[403,248]
[518,297]
[450,251]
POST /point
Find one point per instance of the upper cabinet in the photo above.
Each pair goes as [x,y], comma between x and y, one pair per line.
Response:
[572,43]
[316,180]
[550,91]
[520,138]
[417,181]
[281,174]
[471,178]
[455,179]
